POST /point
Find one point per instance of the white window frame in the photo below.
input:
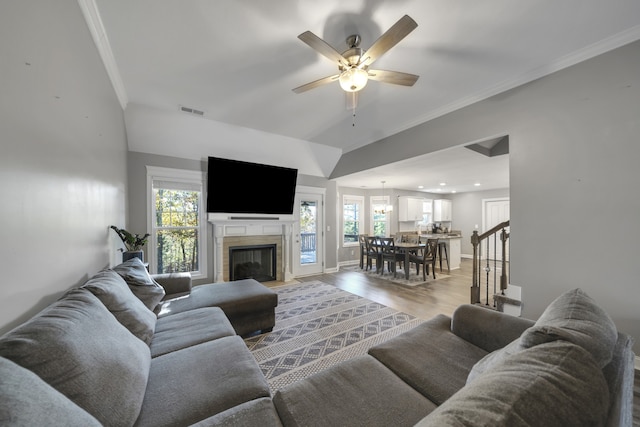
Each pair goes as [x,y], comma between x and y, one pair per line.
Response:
[196,178]
[379,200]
[357,200]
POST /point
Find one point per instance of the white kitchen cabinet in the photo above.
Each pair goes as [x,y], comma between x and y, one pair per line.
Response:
[410,208]
[442,210]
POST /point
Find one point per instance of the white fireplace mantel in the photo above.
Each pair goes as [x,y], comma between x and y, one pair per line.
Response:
[251,226]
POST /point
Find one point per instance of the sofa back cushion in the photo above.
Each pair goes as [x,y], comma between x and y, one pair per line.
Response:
[140,282]
[552,384]
[575,317]
[78,347]
[26,400]
[112,290]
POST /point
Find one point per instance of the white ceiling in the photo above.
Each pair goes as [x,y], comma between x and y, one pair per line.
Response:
[237,61]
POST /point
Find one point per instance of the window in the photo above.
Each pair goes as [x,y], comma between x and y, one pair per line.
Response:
[353,219]
[177,220]
[379,220]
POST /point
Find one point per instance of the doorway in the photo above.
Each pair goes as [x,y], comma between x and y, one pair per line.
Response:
[308,242]
[495,211]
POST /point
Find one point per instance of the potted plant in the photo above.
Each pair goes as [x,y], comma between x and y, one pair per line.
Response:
[133,243]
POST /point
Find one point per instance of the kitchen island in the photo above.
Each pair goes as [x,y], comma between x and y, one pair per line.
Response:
[453,242]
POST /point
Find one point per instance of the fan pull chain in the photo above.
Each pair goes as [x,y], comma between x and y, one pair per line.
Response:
[353,117]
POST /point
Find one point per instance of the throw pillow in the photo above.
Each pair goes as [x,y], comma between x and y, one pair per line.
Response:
[575,317]
[26,400]
[494,358]
[141,283]
[556,384]
[114,293]
[78,347]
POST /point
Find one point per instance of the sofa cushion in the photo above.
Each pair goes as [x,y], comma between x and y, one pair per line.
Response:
[78,347]
[26,400]
[256,413]
[357,392]
[430,358]
[141,283]
[234,298]
[112,290]
[189,328]
[552,384]
[575,317]
[197,382]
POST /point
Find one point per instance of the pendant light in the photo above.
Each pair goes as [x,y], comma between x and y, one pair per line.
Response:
[387,208]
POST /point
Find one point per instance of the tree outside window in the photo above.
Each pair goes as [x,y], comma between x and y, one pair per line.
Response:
[177,221]
[353,216]
[379,220]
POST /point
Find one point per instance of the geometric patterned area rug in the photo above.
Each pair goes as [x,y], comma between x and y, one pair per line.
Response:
[319,325]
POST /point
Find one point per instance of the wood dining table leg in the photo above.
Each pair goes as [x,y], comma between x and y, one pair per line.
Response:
[406,263]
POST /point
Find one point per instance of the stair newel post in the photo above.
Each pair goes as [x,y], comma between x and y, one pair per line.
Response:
[475,286]
[503,278]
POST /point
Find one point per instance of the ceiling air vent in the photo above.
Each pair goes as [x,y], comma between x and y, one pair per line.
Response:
[191,111]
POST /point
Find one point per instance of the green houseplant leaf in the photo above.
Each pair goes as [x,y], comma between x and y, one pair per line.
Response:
[133,242]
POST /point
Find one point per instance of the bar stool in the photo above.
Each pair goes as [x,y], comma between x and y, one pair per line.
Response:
[443,246]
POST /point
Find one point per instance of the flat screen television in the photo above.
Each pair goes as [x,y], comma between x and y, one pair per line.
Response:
[237,187]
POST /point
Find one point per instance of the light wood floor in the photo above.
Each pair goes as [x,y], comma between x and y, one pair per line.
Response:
[440,296]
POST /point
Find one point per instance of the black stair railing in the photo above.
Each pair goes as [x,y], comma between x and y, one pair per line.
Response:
[483,262]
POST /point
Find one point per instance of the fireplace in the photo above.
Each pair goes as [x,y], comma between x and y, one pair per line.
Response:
[253,262]
[251,232]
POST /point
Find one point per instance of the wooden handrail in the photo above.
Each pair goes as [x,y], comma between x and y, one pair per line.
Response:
[493,230]
[476,239]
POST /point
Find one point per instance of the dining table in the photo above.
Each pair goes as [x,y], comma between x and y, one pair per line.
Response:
[407,248]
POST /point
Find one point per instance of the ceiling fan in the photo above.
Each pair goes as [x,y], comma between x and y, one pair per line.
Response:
[353,64]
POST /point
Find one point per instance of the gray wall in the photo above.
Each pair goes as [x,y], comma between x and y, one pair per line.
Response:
[62,157]
[137,163]
[351,254]
[467,212]
[574,178]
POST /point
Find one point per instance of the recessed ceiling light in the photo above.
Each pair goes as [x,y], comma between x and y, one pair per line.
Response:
[439,189]
[477,184]
[453,191]
[421,186]
[443,183]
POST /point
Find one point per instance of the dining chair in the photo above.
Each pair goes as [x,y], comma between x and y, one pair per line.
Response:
[372,252]
[427,257]
[362,239]
[388,253]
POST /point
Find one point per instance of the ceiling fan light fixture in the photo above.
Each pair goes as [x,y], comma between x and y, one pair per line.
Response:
[353,79]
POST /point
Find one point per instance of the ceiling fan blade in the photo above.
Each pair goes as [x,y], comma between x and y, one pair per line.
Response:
[393,77]
[351,100]
[322,47]
[316,83]
[397,32]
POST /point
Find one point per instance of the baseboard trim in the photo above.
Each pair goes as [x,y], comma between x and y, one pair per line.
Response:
[347,263]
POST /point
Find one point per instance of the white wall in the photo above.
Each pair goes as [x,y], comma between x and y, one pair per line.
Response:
[574,178]
[467,212]
[62,156]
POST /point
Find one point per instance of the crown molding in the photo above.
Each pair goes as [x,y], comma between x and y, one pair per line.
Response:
[96,28]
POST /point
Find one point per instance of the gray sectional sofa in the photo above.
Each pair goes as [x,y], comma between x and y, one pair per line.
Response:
[571,367]
[122,350]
